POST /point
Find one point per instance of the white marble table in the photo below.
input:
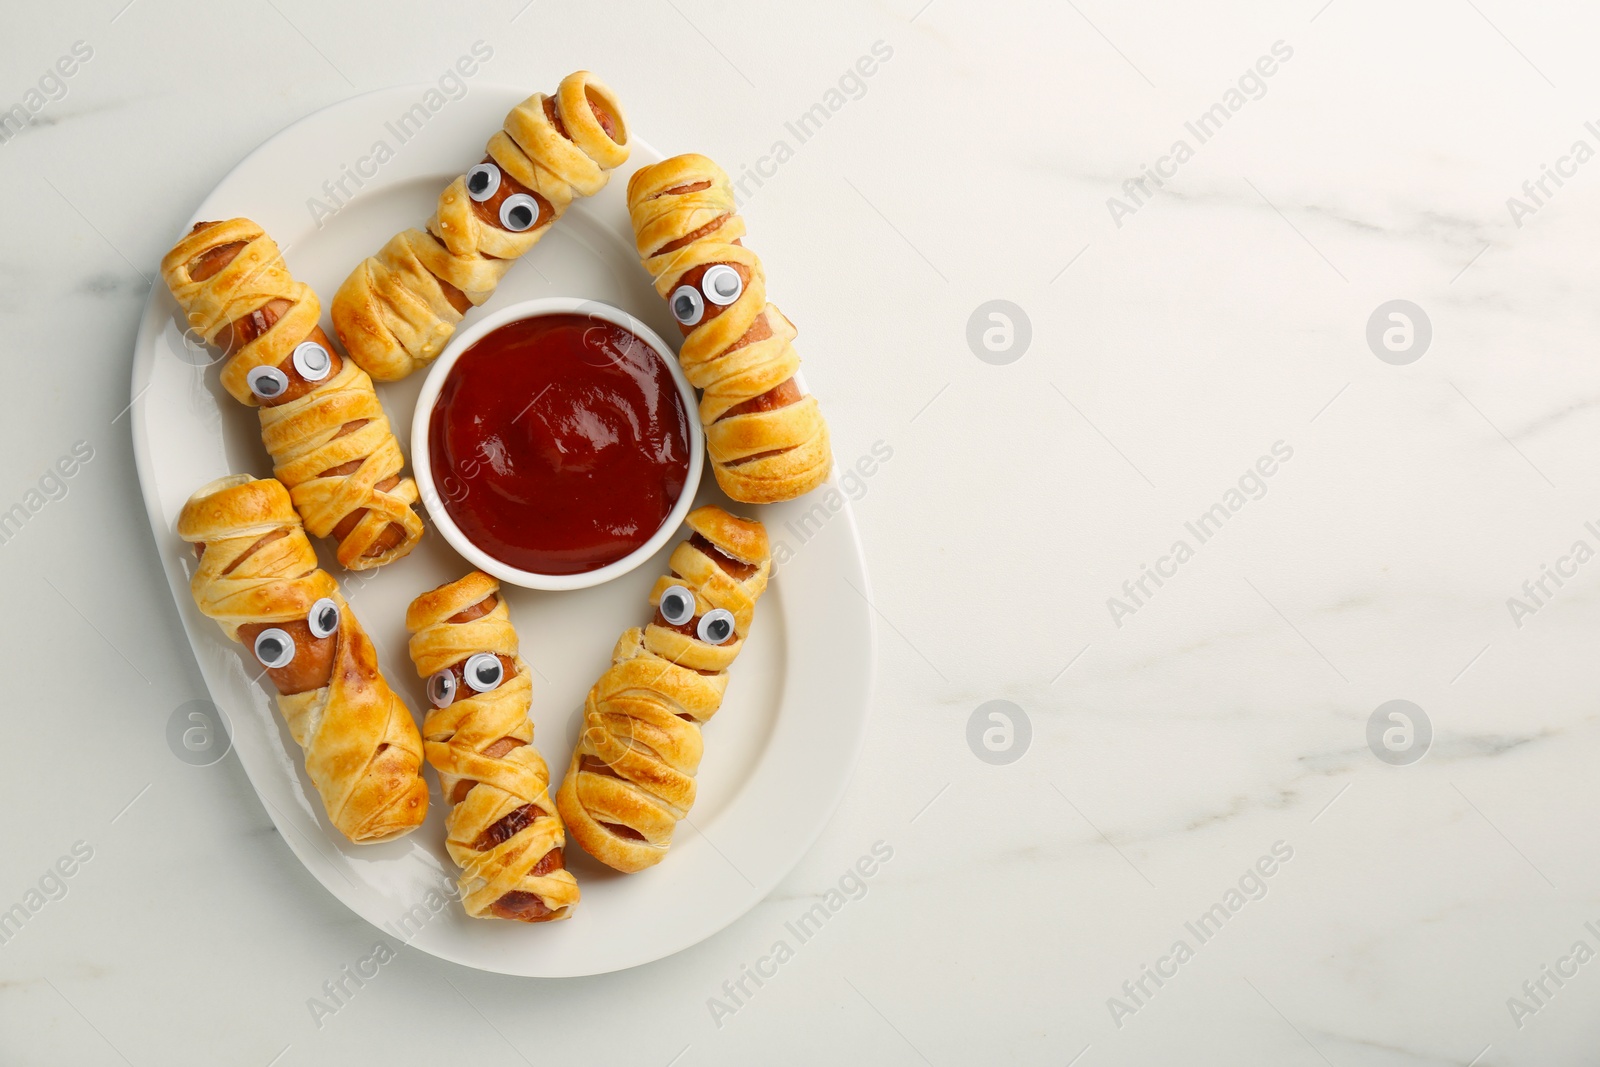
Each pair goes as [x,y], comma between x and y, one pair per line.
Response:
[1199,858]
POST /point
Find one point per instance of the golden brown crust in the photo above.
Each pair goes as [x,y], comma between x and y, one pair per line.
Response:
[338,423]
[253,278]
[632,777]
[449,599]
[685,220]
[362,749]
[743,539]
[486,739]
[393,314]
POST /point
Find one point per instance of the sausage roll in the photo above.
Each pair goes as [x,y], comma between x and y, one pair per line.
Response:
[321,421]
[397,311]
[258,578]
[632,776]
[502,829]
[766,440]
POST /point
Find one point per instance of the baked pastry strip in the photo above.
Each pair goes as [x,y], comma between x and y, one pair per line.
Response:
[258,577]
[632,777]
[766,440]
[321,420]
[397,310]
[502,829]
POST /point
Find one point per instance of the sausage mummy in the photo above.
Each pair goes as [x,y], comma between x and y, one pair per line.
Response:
[632,777]
[258,578]
[399,308]
[502,829]
[321,420]
[766,440]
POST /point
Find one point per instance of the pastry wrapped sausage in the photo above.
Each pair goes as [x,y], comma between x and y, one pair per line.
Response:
[766,440]
[399,308]
[632,776]
[321,421]
[258,578]
[502,829]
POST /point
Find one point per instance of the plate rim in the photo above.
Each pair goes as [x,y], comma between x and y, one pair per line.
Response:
[142,378]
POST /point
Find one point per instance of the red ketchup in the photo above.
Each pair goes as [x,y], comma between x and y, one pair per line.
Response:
[559,443]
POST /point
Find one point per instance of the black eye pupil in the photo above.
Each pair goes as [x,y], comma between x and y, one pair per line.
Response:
[478,182]
[328,619]
[488,674]
[719,629]
[685,307]
[521,217]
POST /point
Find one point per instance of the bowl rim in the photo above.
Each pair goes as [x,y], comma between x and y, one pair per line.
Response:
[422,466]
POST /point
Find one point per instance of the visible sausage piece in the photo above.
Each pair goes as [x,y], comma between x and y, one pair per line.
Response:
[521,907]
[499,748]
[312,665]
[456,297]
[692,187]
[247,328]
[504,744]
[735,568]
[241,331]
[686,628]
[625,832]
[596,765]
[200,549]
[689,238]
[781,395]
[475,611]
[607,121]
[785,392]
[509,826]
[529,907]
[392,534]
[207,264]
[488,211]
[463,690]
[759,330]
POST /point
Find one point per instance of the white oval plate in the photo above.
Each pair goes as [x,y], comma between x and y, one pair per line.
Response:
[777,756]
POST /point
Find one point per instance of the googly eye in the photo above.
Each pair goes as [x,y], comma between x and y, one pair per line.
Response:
[677,605]
[483,672]
[274,648]
[716,626]
[441,689]
[519,212]
[687,305]
[722,285]
[483,181]
[267,383]
[311,361]
[323,618]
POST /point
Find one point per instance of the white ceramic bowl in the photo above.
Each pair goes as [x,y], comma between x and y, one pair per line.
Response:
[422,466]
